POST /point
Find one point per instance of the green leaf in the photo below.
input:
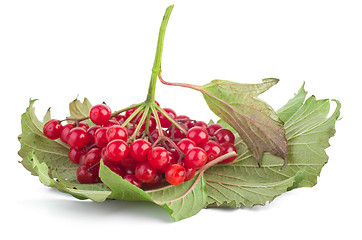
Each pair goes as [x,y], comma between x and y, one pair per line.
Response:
[53,153]
[80,109]
[253,119]
[308,130]
[180,201]
[82,191]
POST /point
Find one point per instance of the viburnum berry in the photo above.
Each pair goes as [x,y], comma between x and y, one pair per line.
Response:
[52,129]
[117,150]
[189,173]
[198,134]
[91,134]
[195,158]
[116,132]
[175,174]
[65,131]
[74,154]
[145,172]
[100,114]
[213,127]
[165,123]
[185,145]
[131,178]
[86,176]
[128,163]
[156,180]
[100,137]
[92,157]
[139,150]
[158,157]
[83,125]
[201,124]
[213,150]
[227,147]
[224,135]
[77,138]
[118,170]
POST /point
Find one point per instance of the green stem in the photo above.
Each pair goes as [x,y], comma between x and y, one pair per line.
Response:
[156,69]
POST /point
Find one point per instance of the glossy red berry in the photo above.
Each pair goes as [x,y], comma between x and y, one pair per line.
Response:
[213,150]
[224,135]
[83,125]
[74,155]
[86,176]
[195,158]
[213,127]
[156,181]
[52,129]
[131,178]
[111,122]
[145,172]
[175,174]
[189,173]
[165,123]
[201,124]
[92,157]
[158,157]
[226,148]
[199,135]
[139,150]
[100,114]
[117,150]
[91,133]
[118,170]
[128,163]
[65,131]
[185,145]
[116,132]
[100,137]
[77,138]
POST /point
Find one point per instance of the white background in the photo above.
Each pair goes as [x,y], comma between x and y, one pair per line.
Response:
[57,50]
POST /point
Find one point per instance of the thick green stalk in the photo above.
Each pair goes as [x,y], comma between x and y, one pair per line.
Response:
[156,69]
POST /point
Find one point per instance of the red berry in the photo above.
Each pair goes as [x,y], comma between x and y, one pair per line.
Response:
[92,157]
[65,131]
[154,135]
[213,150]
[185,145]
[129,163]
[77,138]
[100,137]
[116,132]
[190,173]
[91,133]
[195,158]
[120,118]
[175,174]
[83,125]
[226,148]
[118,170]
[224,135]
[133,180]
[117,150]
[139,149]
[156,181]
[165,123]
[74,155]
[158,157]
[201,124]
[178,133]
[52,129]
[86,176]
[199,135]
[213,127]
[100,114]
[111,122]
[106,160]
[145,172]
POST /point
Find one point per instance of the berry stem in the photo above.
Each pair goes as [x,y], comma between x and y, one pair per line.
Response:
[133,115]
[173,121]
[125,109]
[139,125]
[156,69]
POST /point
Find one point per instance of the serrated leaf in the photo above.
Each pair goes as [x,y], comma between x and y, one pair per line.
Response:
[80,109]
[53,153]
[253,119]
[308,130]
[81,191]
[180,201]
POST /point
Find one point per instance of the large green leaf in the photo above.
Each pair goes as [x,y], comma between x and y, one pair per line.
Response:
[83,191]
[180,201]
[308,130]
[53,153]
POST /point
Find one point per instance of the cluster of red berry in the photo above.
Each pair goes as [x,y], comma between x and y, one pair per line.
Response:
[164,151]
